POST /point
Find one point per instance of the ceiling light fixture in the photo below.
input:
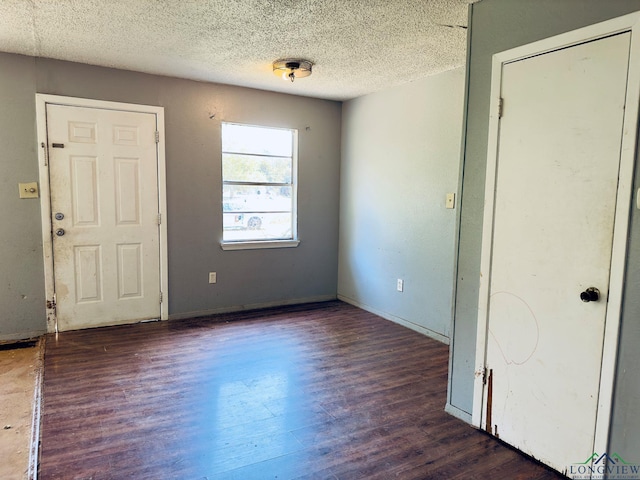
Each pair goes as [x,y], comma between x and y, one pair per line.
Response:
[292,68]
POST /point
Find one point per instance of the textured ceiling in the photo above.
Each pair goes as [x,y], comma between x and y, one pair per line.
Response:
[357,46]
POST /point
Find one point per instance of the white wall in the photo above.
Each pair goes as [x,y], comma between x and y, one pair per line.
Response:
[400,156]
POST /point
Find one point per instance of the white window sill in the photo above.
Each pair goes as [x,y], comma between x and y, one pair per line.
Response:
[259,245]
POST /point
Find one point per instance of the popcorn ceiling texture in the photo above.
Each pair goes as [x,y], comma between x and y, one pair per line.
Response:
[358,46]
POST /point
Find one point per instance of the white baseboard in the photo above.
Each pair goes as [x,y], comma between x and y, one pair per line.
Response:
[251,306]
[456,412]
[405,323]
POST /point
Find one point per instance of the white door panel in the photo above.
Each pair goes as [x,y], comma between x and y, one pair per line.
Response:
[104,181]
[555,197]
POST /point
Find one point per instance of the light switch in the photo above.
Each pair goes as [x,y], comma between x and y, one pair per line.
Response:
[451,200]
[28,190]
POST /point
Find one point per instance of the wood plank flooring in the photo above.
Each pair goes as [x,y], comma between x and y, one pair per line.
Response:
[323,391]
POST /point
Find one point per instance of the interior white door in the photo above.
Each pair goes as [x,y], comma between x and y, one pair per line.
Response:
[104,201]
[556,185]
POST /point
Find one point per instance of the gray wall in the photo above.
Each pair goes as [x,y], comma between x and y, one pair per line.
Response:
[194,192]
[400,156]
[498,25]
[625,428]
[22,313]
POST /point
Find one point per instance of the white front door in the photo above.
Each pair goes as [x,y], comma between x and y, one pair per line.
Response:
[103,178]
[555,195]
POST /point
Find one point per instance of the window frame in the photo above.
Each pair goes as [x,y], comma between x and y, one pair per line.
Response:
[251,244]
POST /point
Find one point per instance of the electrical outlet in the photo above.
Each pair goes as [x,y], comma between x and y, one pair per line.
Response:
[213,277]
[400,285]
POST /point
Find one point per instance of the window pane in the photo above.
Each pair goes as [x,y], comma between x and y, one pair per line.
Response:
[243,168]
[258,198]
[258,140]
[256,226]
[265,158]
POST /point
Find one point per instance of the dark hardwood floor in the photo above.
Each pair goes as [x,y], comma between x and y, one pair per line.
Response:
[323,391]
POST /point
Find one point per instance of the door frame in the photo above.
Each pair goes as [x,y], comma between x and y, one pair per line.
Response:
[626,23]
[42,100]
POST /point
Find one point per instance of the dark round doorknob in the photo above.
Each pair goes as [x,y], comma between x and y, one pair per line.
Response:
[60,232]
[591,294]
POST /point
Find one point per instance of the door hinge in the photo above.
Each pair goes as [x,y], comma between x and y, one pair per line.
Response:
[500,107]
[159,219]
[157,136]
[51,304]
[482,372]
[46,153]
[161,297]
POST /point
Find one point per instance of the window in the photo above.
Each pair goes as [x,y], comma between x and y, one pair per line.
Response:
[258,186]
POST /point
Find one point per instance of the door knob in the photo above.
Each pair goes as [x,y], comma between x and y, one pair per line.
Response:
[60,232]
[591,294]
